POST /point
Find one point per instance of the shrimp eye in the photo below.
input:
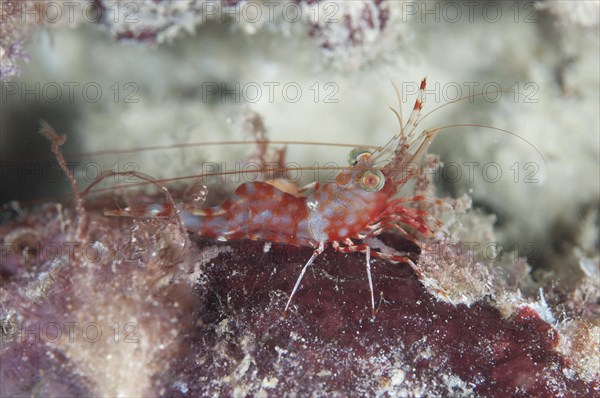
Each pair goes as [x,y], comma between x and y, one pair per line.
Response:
[372,180]
[356,154]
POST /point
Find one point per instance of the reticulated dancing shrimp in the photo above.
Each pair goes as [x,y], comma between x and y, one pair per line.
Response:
[360,203]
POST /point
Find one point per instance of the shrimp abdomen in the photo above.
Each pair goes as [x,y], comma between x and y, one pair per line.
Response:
[256,211]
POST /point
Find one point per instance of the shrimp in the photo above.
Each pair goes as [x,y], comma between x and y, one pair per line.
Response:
[362,202]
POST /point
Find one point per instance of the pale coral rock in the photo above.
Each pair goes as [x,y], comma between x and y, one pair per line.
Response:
[584,14]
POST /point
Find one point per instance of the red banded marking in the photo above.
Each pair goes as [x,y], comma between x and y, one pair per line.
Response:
[257,210]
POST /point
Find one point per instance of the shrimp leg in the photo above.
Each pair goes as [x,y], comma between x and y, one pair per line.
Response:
[316,253]
[353,248]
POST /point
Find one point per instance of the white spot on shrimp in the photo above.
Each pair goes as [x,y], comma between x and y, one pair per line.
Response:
[190,220]
[285,220]
[263,217]
[343,231]
[217,224]
[239,219]
[317,225]
[312,204]
[328,211]
[350,219]
[302,225]
[251,189]
[155,209]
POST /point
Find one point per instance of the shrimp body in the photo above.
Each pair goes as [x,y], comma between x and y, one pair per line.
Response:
[361,202]
[260,211]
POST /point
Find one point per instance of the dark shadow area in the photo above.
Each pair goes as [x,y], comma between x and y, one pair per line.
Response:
[28,169]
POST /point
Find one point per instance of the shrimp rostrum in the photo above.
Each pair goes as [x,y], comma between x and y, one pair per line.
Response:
[361,202]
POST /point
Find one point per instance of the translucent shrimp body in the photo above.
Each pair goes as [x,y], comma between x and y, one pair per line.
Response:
[360,202]
[260,211]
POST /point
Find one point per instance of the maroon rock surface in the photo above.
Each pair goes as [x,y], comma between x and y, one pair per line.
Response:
[328,343]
